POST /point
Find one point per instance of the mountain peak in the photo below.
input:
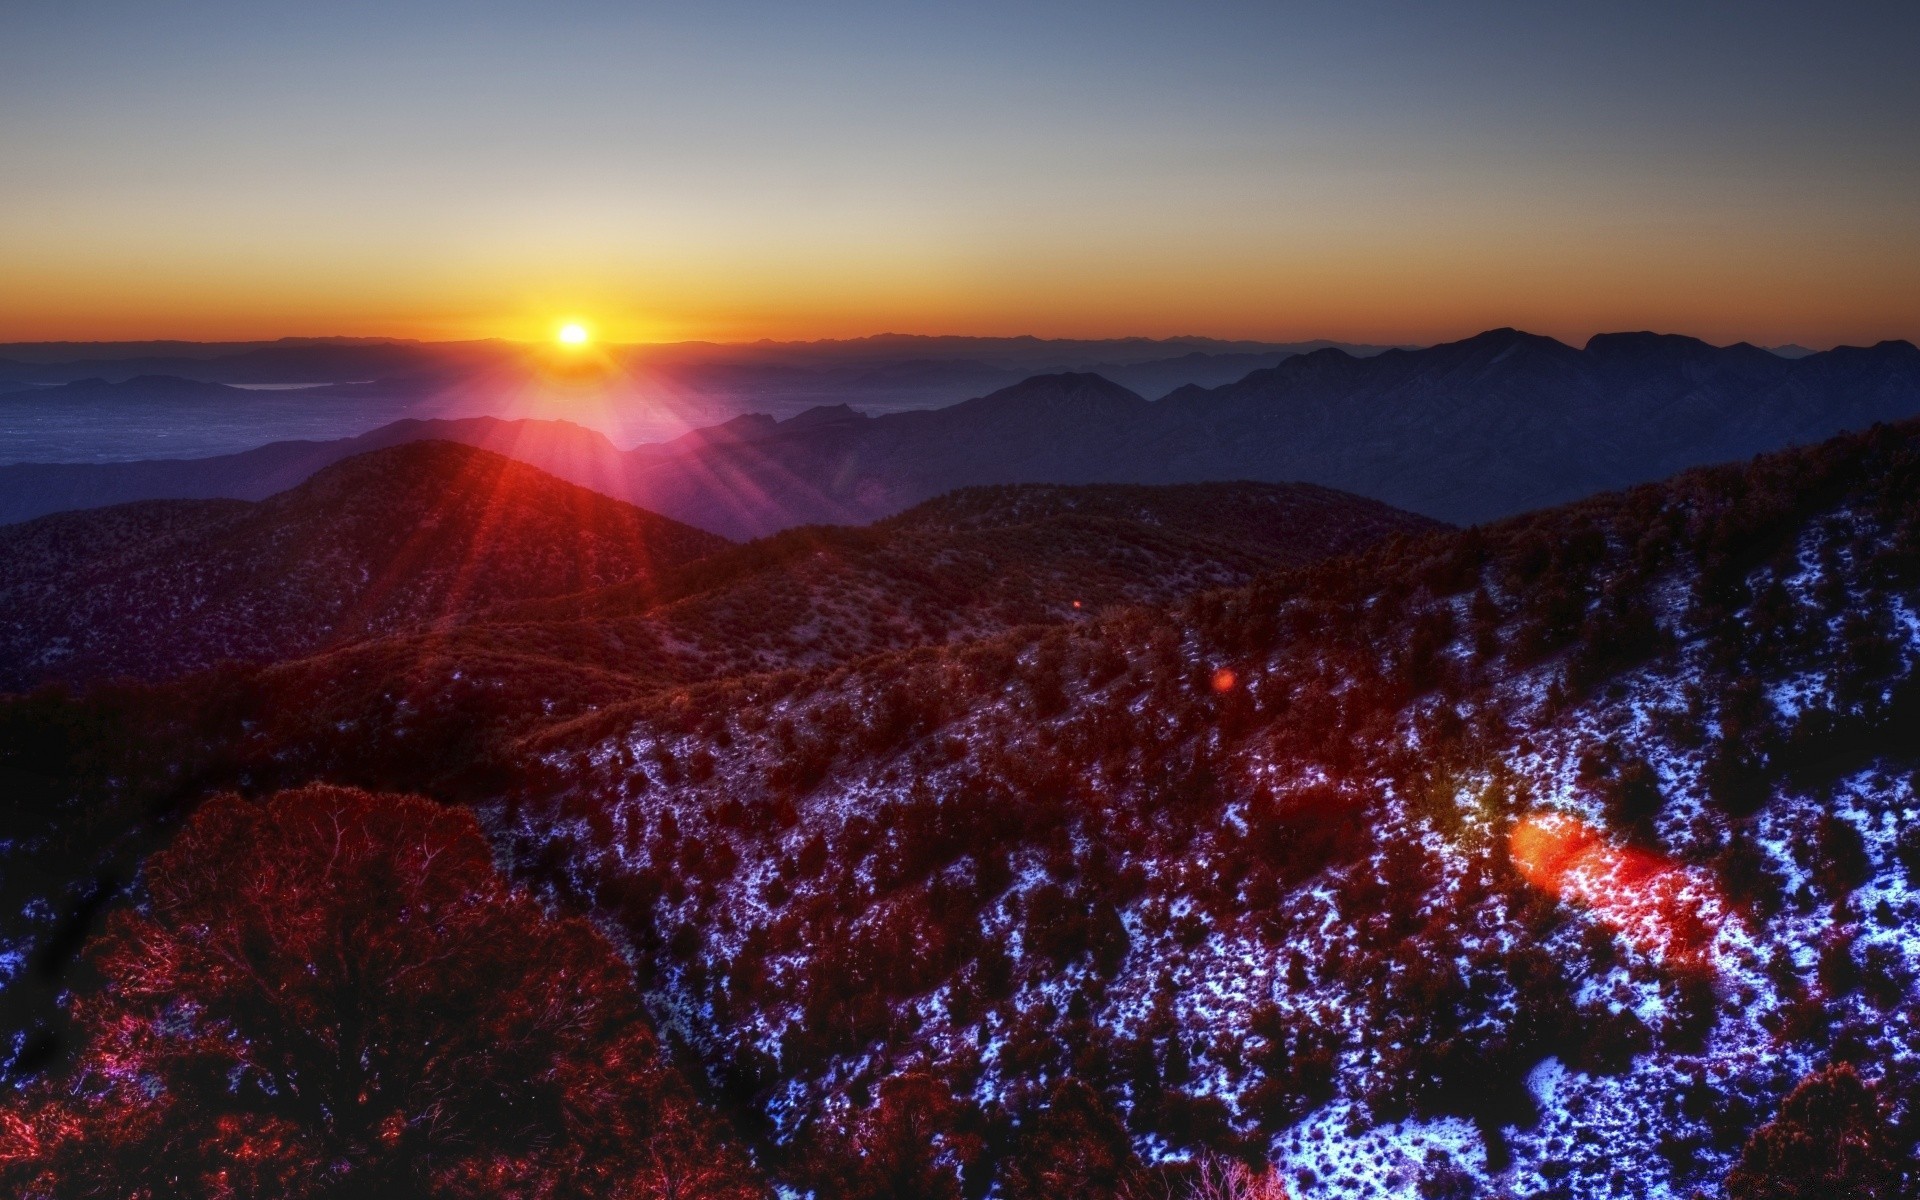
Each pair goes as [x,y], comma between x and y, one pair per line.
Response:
[1507,337]
[1066,388]
[823,414]
[396,540]
[1642,342]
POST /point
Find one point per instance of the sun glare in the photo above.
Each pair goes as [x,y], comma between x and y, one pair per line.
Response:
[573,334]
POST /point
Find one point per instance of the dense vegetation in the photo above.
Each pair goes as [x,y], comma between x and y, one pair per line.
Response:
[1568,856]
[330,993]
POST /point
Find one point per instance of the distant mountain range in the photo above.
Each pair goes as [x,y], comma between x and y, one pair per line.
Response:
[904,357]
[129,401]
[1463,432]
[671,387]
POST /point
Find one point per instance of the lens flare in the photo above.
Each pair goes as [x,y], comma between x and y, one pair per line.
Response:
[1663,909]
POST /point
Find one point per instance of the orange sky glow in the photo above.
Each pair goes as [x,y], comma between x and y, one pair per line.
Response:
[666,173]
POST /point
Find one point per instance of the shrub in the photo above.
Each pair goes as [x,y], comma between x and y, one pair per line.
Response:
[333,993]
[1830,1140]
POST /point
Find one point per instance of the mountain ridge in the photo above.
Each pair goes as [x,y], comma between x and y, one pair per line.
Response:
[396,539]
[1466,431]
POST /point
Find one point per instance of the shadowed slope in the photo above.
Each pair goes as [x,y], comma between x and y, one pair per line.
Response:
[29,490]
[390,541]
[442,704]
[964,566]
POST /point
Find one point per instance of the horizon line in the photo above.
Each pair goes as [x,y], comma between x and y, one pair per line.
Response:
[746,343]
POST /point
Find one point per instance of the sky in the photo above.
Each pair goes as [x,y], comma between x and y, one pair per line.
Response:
[1368,171]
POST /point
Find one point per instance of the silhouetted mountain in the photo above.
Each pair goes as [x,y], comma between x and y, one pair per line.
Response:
[30,490]
[140,387]
[748,478]
[1506,421]
[1155,379]
[1466,431]
[394,540]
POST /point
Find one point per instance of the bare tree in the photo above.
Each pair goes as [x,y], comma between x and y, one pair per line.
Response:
[1216,1177]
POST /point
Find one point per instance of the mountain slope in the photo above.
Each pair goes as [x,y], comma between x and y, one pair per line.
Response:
[962,567]
[392,540]
[1541,859]
[1507,421]
[753,476]
[29,490]
[811,599]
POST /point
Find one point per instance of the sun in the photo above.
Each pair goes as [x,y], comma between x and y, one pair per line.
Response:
[573,334]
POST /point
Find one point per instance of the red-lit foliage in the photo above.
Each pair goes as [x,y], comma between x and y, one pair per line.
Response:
[1831,1141]
[913,1143]
[332,993]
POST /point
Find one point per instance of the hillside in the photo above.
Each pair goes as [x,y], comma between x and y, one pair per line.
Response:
[971,564]
[29,490]
[440,708]
[1558,857]
[1465,432]
[1546,858]
[390,541]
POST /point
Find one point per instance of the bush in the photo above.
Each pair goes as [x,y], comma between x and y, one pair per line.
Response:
[333,993]
[1831,1140]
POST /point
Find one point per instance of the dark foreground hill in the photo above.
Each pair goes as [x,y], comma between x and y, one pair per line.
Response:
[29,490]
[968,565]
[1467,431]
[420,538]
[1568,856]
[391,541]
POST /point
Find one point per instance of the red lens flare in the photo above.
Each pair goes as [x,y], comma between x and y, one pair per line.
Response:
[1661,909]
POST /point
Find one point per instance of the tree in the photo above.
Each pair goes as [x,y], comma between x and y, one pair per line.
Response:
[1074,1146]
[1215,1177]
[1831,1141]
[915,1142]
[331,994]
